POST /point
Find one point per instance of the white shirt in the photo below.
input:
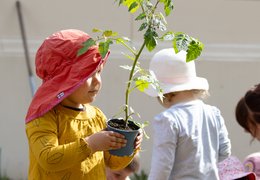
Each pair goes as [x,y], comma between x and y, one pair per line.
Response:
[189,140]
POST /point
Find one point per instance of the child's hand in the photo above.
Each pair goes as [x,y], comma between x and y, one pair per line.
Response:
[105,140]
[138,140]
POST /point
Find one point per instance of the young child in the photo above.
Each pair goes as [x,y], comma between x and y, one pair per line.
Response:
[233,169]
[124,174]
[190,137]
[248,112]
[252,164]
[66,134]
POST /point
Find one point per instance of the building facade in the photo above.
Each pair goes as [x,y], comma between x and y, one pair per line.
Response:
[230,62]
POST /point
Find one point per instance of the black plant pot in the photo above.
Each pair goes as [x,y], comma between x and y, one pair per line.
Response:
[130,135]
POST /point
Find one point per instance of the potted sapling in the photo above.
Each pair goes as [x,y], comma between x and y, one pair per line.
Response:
[153,26]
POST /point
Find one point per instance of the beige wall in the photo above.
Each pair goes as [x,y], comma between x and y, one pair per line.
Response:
[230,62]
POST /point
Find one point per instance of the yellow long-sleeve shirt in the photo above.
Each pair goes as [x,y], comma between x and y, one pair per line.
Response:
[57,148]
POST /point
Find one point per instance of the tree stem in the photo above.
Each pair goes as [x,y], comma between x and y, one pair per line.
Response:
[129,84]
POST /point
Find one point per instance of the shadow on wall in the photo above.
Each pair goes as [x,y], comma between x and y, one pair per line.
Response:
[2,176]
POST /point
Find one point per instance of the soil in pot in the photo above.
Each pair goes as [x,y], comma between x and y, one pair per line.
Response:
[120,124]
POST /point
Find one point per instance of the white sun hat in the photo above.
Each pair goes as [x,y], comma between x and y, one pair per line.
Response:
[174,73]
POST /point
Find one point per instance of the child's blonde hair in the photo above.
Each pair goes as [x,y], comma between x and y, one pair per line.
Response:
[197,93]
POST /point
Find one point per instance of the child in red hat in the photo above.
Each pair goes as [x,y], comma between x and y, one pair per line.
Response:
[65,132]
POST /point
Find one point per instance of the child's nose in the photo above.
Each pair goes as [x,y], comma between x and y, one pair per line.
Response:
[97,77]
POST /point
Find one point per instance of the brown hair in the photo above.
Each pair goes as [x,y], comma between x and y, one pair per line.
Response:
[248,110]
[134,165]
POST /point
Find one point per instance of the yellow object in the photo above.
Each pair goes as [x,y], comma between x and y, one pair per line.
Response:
[58,150]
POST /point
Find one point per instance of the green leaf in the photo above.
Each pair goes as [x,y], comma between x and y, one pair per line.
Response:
[142,126]
[126,67]
[141,16]
[96,30]
[122,40]
[194,50]
[119,2]
[168,36]
[141,84]
[162,26]
[104,48]
[131,110]
[161,16]
[150,39]
[181,42]
[192,46]
[114,34]
[168,9]
[86,45]
[143,26]
[107,33]
[133,7]
[168,6]
[151,43]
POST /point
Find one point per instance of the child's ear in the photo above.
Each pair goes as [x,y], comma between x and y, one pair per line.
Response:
[169,96]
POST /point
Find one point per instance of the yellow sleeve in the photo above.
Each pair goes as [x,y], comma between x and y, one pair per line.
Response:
[42,134]
[117,162]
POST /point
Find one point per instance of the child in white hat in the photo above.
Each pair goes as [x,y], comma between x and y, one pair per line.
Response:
[190,137]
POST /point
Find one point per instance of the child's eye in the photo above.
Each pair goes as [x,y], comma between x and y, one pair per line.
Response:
[99,70]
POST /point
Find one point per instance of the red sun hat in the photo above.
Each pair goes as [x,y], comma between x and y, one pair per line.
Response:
[62,71]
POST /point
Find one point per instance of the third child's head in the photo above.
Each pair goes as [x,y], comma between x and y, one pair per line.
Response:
[248,111]
[177,78]
[124,174]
